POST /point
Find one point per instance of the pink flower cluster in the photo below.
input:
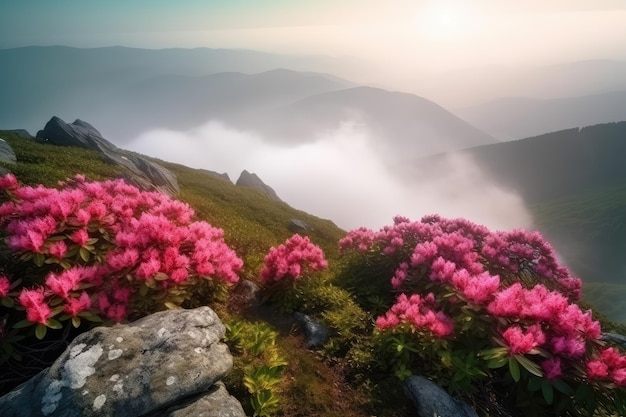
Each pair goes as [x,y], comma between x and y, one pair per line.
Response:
[112,237]
[567,327]
[37,310]
[5,286]
[609,365]
[489,272]
[291,259]
[419,312]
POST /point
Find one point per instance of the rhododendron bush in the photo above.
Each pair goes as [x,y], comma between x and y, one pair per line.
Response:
[292,259]
[284,269]
[102,250]
[499,300]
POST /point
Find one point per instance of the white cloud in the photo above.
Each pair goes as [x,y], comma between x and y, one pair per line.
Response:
[340,176]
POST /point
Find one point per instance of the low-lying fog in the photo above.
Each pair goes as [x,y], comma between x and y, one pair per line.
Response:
[341,177]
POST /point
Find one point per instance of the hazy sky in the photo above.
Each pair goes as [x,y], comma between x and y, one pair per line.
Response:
[424,35]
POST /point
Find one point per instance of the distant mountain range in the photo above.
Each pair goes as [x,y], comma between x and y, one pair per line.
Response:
[518,117]
[126,92]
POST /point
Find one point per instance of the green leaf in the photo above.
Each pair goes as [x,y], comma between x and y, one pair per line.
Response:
[7,302]
[514,369]
[76,322]
[563,387]
[171,306]
[534,384]
[22,323]
[498,362]
[15,283]
[548,392]
[90,316]
[40,331]
[499,352]
[84,254]
[529,365]
[56,310]
[39,259]
[54,324]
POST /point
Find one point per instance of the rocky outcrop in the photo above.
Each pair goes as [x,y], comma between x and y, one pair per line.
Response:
[252,180]
[141,172]
[431,400]
[166,364]
[7,155]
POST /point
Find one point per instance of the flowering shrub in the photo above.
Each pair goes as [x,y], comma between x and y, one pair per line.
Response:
[96,250]
[284,268]
[502,297]
[292,259]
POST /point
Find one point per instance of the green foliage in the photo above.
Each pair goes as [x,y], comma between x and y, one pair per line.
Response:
[260,362]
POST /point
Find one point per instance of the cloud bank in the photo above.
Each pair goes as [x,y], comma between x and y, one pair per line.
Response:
[341,177]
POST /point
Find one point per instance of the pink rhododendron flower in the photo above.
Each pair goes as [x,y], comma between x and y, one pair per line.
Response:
[8,182]
[291,259]
[80,237]
[63,283]
[522,342]
[5,286]
[552,368]
[619,376]
[58,249]
[597,369]
[417,311]
[37,310]
[76,306]
[476,288]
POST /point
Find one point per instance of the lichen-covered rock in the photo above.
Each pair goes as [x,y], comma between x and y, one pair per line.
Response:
[128,370]
[431,400]
[217,402]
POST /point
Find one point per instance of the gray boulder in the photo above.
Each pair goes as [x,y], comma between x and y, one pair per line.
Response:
[431,400]
[252,180]
[315,332]
[136,369]
[216,402]
[141,172]
[79,133]
[7,155]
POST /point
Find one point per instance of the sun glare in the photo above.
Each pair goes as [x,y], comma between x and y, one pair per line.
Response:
[446,20]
